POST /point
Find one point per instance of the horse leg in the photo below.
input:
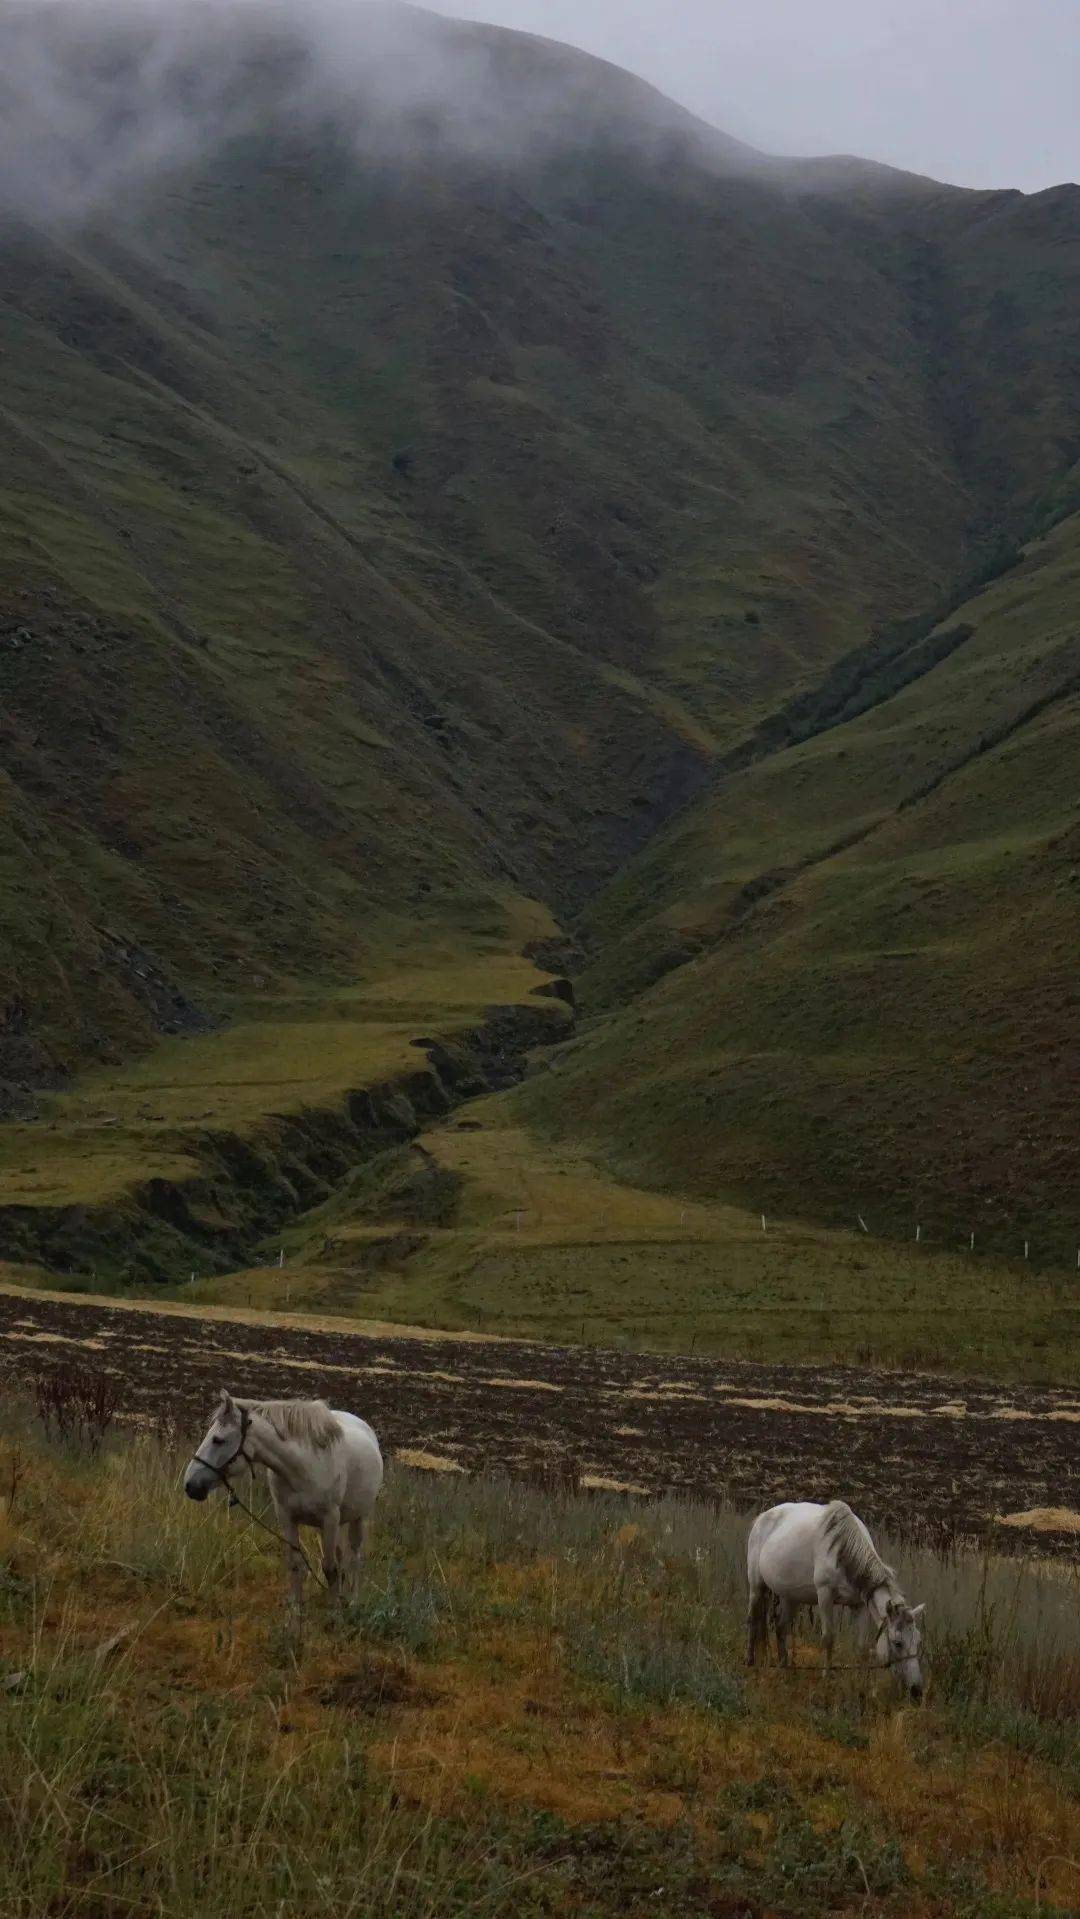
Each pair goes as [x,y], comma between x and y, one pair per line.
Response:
[356,1552]
[331,1539]
[290,1532]
[756,1621]
[783,1626]
[827,1615]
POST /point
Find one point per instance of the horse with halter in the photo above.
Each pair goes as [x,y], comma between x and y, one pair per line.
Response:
[324,1469]
[801,1554]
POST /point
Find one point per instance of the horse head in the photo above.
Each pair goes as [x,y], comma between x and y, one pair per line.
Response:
[898,1642]
[221,1453]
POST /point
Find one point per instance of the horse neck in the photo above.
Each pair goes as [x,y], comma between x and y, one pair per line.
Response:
[266,1448]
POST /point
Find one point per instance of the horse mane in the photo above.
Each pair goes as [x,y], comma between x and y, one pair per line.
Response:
[308,1420]
[858,1557]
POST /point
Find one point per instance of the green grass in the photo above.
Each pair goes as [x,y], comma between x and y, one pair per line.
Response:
[537,1706]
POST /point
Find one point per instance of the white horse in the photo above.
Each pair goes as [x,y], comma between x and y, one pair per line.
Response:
[324,1469]
[802,1555]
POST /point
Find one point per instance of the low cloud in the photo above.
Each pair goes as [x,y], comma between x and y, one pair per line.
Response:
[97,96]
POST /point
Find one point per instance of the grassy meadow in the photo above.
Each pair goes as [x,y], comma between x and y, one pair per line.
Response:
[536,1706]
[538,1238]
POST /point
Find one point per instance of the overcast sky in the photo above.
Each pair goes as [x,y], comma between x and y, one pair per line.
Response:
[978,92]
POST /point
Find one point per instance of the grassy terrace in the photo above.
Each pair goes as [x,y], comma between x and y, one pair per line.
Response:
[281,1053]
[537,1707]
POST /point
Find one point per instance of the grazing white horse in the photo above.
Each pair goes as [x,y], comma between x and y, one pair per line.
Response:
[324,1469]
[802,1555]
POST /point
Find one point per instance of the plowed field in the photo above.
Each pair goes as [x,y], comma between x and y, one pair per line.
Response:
[936,1457]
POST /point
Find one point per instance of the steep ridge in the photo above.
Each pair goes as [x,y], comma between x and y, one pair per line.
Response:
[867,949]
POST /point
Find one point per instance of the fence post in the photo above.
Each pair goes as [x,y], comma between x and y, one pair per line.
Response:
[918,1234]
[972,1242]
[763,1229]
[862,1222]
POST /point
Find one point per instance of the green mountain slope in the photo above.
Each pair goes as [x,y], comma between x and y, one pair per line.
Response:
[426,462]
[876,1008]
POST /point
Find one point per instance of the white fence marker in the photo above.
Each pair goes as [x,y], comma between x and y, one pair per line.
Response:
[763,1222]
[918,1234]
[862,1222]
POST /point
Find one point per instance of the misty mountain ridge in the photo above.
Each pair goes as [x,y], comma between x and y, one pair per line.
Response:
[431,461]
[97,96]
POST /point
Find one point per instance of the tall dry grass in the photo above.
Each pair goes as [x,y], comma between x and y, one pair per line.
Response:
[192,1764]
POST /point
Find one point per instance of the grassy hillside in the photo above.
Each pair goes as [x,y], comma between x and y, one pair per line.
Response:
[536,1707]
[391,519]
[875,1009]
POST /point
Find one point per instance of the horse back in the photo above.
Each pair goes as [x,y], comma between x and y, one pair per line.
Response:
[783,1546]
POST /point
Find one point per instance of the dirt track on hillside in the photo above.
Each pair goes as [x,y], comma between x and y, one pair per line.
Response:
[937,1457]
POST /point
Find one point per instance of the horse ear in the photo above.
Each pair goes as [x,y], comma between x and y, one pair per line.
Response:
[918,1611]
[227,1403]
